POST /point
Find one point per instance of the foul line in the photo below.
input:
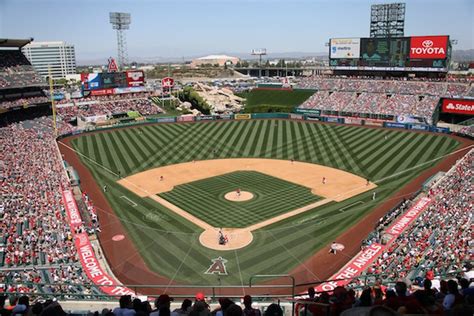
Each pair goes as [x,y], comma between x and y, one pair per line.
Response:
[131,202]
[350,205]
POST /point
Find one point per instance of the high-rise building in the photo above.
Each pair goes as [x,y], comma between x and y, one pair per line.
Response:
[59,56]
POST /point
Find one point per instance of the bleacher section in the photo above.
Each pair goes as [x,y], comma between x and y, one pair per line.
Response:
[417,99]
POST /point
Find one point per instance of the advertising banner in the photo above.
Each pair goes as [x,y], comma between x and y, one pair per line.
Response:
[185,118]
[312,118]
[428,47]
[167,82]
[165,119]
[351,120]
[406,119]
[308,111]
[135,78]
[91,81]
[129,90]
[347,48]
[373,123]
[224,117]
[419,127]
[94,271]
[72,211]
[354,268]
[102,92]
[296,116]
[331,119]
[458,106]
[439,129]
[205,118]
[86,253]
[242,116]
[406,219]
[395,125]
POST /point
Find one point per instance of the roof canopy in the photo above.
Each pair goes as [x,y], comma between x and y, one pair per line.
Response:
[10,42]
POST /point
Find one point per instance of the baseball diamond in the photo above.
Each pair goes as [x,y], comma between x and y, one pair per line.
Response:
[170,247]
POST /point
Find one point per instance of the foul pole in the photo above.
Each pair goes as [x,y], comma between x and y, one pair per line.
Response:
[53,105]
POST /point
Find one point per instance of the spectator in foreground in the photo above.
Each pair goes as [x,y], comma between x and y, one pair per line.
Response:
[248,310]
[233,310]
[453,297]
[163,303]
[125,308]
[22,306]
[273,310]
[185,308]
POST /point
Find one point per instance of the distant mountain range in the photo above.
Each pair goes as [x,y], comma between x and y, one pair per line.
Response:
[457,55]
[463,55]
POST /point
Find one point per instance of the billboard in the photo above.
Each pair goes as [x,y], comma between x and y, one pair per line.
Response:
[418,53]
[348,48]
[135,78]
[428,47]
[458,106]
[114,80]
[91,81]
[167,82]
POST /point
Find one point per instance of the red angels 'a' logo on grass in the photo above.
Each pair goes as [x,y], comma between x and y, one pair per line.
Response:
[217,266]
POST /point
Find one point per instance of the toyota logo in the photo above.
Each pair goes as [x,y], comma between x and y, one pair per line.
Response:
[427,43]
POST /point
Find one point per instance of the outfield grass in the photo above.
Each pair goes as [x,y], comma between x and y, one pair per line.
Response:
[272,197]
[258,101]
[169,244]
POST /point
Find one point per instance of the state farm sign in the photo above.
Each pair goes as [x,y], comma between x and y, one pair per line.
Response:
[458,106]
[428,47]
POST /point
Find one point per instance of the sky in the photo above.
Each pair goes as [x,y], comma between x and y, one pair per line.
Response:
[178,28]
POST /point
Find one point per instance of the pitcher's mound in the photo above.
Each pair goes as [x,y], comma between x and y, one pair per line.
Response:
[235,197]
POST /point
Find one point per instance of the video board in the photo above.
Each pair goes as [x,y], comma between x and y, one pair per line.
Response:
[388,53]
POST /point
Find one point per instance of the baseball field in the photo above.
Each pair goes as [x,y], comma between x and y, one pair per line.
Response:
[168,183]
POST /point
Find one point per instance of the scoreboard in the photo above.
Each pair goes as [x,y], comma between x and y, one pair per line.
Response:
[391,53]
[112,80]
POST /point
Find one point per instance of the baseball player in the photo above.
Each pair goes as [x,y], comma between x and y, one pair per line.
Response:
[324,180]
[105,188]
[373,196]
[161,178]
[238,192]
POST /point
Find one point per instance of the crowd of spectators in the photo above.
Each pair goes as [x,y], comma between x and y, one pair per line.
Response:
[33,229]
[467,130]
[16,71]
[25,101]
[107,98]
[454,297]
[389,97]
[415,87]
[440,240]
[374,103]
[143,106]
[376,235]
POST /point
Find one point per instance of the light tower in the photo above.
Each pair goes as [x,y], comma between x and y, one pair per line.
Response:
[387,20]
[259,52]
[121,22]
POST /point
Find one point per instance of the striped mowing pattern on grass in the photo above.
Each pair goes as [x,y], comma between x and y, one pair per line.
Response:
[169,244]
[272,196]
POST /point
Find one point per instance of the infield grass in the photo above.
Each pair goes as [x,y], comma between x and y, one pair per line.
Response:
[272,197]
